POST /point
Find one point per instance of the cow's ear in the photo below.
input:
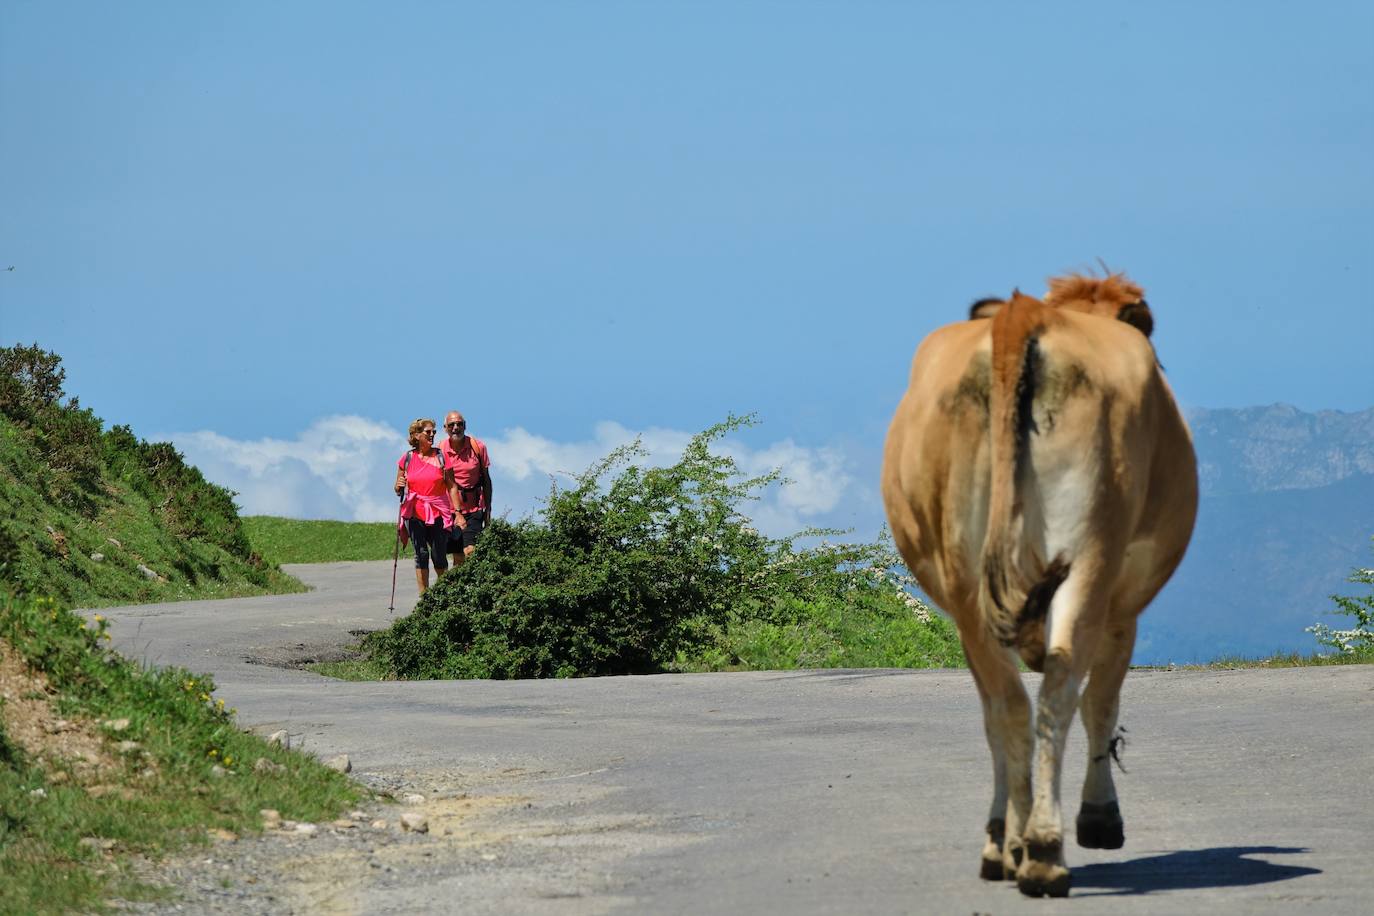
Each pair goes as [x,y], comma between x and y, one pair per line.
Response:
[985,308]
[1137,315]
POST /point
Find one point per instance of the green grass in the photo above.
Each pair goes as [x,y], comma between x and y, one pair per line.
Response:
[1290,660]
[290,540]
[167,794]
[362,668]
[875,630]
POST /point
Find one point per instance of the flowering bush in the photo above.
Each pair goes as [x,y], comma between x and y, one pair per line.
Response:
[1358,639]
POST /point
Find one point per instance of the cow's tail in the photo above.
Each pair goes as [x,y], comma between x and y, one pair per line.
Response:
[1016,584]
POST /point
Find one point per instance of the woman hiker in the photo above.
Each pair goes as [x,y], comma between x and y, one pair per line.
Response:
[430,495]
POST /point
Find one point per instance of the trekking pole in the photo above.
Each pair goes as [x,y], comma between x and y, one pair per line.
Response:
[396,555]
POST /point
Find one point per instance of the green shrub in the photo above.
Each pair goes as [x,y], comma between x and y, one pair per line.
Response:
[189,505]
[67,436]
[657,570]
[30,379]
[1359,638]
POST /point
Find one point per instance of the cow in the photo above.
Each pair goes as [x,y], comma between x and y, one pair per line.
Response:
[1040,484]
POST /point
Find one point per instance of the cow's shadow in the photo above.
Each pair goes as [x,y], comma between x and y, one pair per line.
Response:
[1187,869]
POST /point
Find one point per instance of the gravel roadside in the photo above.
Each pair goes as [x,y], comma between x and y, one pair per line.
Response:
[480,847]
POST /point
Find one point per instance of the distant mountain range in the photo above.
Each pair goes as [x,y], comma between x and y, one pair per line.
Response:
[1259,449]
[1287,511]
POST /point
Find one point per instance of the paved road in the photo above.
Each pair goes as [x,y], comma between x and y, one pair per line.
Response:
[796,792]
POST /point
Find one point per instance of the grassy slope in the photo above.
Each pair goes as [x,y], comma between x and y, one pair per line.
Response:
[290,540]
[48,549]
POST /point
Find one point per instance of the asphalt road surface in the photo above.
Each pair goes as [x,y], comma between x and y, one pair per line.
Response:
[835,791]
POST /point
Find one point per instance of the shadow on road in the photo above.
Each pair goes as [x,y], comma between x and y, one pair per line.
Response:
[1188,869]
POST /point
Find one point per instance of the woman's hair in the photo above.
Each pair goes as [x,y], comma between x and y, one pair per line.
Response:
[416,426]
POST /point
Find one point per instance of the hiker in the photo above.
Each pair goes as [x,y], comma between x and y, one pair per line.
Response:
[429,498]
[471,466]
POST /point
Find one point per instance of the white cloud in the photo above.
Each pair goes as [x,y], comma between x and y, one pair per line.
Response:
[337,468]
[816,478]
[342,467]
[524,454]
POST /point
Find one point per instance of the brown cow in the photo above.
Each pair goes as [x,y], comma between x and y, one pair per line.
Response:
[1040,483]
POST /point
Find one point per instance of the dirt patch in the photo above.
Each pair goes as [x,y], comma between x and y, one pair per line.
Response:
[302,655]
[31,720]
[332,881]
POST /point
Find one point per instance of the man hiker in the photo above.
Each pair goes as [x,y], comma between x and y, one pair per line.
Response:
[471,466]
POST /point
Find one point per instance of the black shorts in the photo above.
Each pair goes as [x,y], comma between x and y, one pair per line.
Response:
[459,538]
[429,542]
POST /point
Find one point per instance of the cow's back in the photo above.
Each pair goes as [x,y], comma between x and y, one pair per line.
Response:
[1106,466]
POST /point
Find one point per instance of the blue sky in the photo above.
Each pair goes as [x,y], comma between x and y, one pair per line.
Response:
[275,233]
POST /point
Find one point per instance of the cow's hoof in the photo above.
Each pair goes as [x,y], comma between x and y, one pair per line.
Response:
[1012,855]
[1044,881]
[1043,872]
[991,869]
[1100,826]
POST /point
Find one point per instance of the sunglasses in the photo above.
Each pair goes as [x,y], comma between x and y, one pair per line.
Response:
[427,432]
[459,425]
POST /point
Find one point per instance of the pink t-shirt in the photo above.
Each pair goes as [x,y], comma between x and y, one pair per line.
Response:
[468,462]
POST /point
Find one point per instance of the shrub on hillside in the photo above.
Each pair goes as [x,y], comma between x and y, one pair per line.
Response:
[66,435]
[30,379]
[190,506]
[636,576]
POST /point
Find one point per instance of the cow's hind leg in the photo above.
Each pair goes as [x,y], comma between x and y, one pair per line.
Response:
[1006,723]
[1099,818]
[1076,615]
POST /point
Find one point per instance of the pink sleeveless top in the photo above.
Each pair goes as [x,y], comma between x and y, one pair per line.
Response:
[426,497]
